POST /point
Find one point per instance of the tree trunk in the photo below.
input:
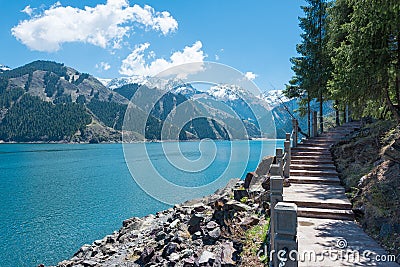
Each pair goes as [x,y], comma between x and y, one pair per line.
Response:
[321,119]
[395,110]
[309,114]
[337,113]
[398,88]
[398,71]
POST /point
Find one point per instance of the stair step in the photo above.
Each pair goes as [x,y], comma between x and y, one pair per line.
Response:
[318,145]
[319,139]
[335,134]
[322,139]
[320,205]
[317,166]
[310,148]
[323,144]
[335,214]
[305,152]
[339,130]
[314,180]
[317,196]
[311,153]
[312,158]
[325,173]
[311,161]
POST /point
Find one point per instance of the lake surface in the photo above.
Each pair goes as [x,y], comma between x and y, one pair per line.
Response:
[56,197]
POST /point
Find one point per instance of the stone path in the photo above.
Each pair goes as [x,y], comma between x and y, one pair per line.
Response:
[326,227]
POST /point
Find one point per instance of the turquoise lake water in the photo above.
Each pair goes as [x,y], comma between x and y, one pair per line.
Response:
[56,197]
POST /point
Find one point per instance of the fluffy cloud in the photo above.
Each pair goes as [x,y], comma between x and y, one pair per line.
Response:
[135,63]
[250,75]
[103,66]
[104,25]
[28,10]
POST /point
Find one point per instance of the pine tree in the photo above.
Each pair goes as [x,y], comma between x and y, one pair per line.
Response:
[312,67]
[365,45]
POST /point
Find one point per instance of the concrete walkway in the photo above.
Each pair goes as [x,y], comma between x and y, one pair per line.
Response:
[327,233]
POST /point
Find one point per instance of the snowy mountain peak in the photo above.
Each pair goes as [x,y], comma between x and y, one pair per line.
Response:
[151,82]
[274,98]
[103,81]
[226,92]
[187,90]
[4,68]
[119,82]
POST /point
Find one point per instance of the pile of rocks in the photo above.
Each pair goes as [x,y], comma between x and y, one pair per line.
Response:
[202,232]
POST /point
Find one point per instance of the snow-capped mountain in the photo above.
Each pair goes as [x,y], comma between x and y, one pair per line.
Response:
[119,82]
[151,82]
[104,81]
[4,68]
[187,90]
[225,92]
[230,92]
[274,98]
[223,100]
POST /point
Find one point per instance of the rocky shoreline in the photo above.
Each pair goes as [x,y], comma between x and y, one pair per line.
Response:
[210,231]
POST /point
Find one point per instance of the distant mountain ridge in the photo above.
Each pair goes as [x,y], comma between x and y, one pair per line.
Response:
[33,93]
[223,92]
[226,94]
[48,101]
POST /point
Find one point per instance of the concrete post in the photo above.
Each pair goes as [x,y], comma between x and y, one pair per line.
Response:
[295,132]
[287,137]
[286,167]
[276,187]
[314,124]
[279,160]
[285,240]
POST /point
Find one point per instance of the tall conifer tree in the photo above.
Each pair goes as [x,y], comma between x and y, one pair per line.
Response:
[312,68]
[365,45]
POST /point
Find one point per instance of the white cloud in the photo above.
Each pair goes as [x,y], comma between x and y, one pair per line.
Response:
[28,10]
[151,55]
[250,75]
[217,55]
[135,63]
[104,25]
[103,66]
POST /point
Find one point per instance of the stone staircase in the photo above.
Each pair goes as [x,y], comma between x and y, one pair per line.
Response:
[325,219]
[315,186]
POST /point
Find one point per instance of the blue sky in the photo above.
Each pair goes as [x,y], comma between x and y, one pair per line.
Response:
[118,38]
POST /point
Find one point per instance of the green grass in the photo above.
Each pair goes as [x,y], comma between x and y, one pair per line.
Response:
[244,200]
[256,238]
